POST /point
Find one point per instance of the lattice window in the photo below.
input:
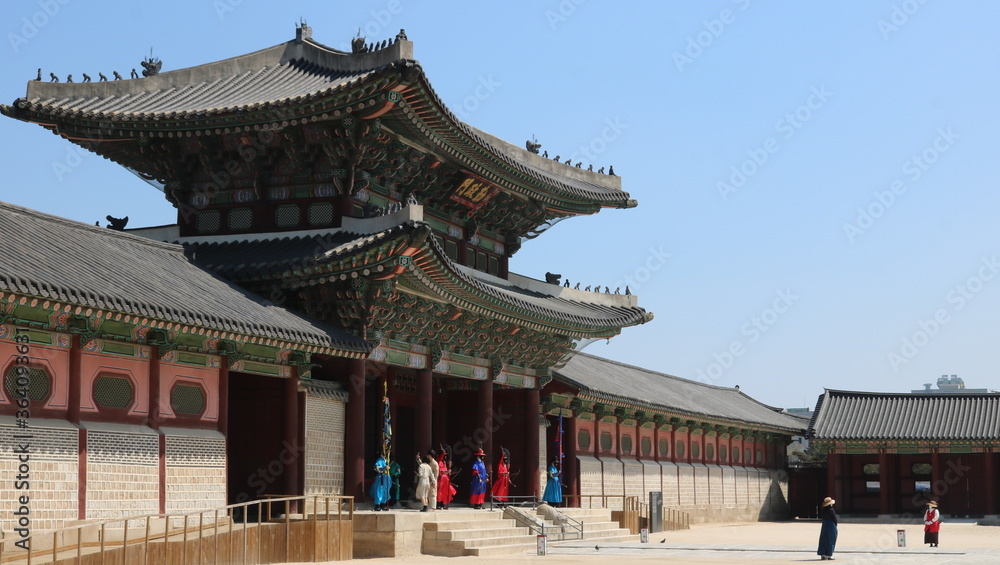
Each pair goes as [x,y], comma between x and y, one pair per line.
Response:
[723,453]
[922,468]
[287,215]
[209,221]
[709,451]
[606,441]
[34,379]
[695,450]
[870,469]
[736,455]
[626,444]
[113,392]
[679,450]
[646,445]
[760,457]
[583,437]
[187,399]
[664,448]
[240,219]
[747,455]
[321,214]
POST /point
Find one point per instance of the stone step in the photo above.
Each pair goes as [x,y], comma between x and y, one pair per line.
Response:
[461,535]
[466,525]
[490,541]
[510,549]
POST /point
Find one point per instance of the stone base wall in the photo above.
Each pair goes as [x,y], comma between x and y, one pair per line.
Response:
[324,449]
[709,493]
[53,483]
[196,470]
[123,471]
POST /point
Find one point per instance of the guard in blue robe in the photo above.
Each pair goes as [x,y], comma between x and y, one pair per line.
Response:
[553,487]
[382,484]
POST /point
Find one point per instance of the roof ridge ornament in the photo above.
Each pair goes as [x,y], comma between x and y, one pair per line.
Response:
[302,31]
[150,65]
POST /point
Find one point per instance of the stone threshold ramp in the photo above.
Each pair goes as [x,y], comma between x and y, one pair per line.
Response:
[455,533]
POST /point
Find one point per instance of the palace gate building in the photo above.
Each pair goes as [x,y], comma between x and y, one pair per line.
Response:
[889,453]
[340,235]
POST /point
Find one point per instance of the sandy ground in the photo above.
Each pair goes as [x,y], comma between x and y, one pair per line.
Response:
[764,543]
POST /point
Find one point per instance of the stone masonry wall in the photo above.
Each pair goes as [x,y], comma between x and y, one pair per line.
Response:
[324,449]
[53,468]
[123,474]
[708,493]
[196,470]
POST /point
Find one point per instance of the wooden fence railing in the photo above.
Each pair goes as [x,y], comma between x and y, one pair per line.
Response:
[249,533]
[631,513]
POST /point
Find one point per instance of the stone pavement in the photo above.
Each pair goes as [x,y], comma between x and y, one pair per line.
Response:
[763,543]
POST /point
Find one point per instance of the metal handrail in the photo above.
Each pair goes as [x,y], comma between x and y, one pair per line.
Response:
[512,500]
[227,512]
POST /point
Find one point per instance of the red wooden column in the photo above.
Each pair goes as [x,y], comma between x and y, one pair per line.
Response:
[425,409]
[989,468]
[938,486]
[73,415]
[885,480]
[292,486]
[570,472]
[354,437]
[532,400]
[832,475]
[485,419]
[153,421]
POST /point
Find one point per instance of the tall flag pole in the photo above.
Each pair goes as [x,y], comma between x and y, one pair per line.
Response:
[387,424]
[559,448]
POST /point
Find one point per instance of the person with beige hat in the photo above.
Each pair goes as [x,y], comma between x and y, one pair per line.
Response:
[932,524]
[828,534]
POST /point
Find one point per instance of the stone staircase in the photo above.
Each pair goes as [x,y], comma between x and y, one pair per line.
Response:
[454,533]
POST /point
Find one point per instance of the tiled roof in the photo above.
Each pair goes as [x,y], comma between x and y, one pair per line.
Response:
[58,259]
[291,73]
[861,416]
[193,95]
[245,259]
[635,386]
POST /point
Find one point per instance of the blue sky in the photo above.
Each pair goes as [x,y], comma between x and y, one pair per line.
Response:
[816,184]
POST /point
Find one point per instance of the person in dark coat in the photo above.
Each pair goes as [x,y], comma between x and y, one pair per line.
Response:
[828,534]
[932,524]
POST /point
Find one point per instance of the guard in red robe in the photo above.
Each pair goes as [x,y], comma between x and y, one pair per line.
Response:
[932,524]
[501,487]
[446,491]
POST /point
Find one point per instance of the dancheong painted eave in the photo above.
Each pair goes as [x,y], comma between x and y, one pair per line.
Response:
[301,82]
[306,259]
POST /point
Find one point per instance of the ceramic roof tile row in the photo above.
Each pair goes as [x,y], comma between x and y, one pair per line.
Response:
[58,259]
[846,415]
[614,381]
[270,84]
